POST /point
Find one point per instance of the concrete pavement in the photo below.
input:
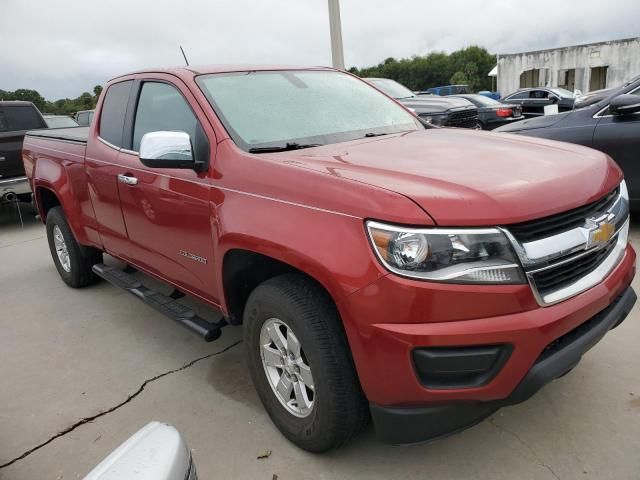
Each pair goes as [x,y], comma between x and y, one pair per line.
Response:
[81,370]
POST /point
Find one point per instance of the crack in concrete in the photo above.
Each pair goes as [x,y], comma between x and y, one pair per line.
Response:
[6,245]
[526,445]
[116,407]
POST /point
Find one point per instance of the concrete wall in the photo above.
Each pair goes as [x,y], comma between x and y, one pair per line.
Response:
[622,57]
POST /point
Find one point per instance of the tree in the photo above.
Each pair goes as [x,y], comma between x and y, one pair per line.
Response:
[469,65]
[459,78]
[97,90]
[28,96]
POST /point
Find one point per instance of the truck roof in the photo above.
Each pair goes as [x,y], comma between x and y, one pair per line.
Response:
[23,103]
[193,70]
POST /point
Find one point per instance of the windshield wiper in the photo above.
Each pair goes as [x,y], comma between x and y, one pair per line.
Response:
[283,148]
[372,134]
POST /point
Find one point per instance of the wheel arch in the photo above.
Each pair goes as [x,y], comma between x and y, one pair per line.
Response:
[244,269]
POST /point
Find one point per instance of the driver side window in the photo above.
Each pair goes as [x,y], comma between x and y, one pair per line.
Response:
[538,94]
[161,107]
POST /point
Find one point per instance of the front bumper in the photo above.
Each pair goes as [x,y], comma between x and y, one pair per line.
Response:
[387,321]
[413,425]
[17,185]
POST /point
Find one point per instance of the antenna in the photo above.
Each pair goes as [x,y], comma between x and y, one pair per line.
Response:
[184,55]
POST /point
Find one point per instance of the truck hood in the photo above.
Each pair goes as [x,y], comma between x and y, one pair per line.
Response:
[470,178]
[434,104]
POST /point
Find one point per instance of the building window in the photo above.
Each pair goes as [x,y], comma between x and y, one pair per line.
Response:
[598,78]
[530,78]
[567,79]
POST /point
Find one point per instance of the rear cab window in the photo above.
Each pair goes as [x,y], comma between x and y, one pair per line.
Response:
[114,109]
[15,118]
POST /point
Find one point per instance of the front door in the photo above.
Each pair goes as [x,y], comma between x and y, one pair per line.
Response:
[619,137]
[167,212]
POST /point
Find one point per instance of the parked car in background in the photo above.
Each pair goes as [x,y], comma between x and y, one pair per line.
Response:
[491,113]
[591,98]
[533,100]
[607,120]
[427,277]
[432,110]
[84,118]
[155,452]
[446,90]
[60,121]
[490,94]
[16,118]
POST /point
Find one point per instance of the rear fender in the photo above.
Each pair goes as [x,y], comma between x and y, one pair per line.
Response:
[68,182]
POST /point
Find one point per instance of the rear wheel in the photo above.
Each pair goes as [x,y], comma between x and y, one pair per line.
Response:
[301,364]
[72,260]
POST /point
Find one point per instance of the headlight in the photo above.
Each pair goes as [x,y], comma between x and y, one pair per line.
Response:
[437,120]
[481,255]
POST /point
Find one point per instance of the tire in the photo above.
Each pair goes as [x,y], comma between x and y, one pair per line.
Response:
[76,271]
[339,410]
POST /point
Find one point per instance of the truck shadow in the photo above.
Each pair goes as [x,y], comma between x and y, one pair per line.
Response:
[231,378]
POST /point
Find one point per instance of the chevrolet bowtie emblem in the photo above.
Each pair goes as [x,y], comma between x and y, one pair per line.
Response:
[600,231]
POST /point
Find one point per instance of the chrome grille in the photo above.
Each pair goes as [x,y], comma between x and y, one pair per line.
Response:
[566,273]
[566,254]
[547,226]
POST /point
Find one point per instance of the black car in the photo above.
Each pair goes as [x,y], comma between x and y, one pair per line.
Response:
[431,109]
[491,113]
[533,100]
[606,120]
[16,118]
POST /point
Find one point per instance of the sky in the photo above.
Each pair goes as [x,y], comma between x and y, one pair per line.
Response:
[64,47]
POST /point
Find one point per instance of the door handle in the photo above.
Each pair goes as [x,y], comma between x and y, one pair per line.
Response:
[127,179]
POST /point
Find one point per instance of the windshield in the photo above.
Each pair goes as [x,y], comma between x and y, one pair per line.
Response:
[276,108]
[592,98]
[561,92]
[60,122]
[391,87]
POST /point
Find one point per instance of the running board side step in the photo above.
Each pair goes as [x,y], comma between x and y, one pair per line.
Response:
[164,304]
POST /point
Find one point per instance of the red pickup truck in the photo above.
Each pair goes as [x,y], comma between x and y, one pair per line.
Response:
[423,277]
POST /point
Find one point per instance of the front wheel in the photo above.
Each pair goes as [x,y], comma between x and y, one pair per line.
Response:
[301,364]
[73,261]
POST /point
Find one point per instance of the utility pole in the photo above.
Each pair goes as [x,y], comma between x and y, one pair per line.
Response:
[337,55]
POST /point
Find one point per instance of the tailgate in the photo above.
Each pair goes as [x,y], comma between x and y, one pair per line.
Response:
[10,154]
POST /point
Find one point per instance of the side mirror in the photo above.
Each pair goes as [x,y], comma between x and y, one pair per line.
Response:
[166,150]
[155,452]
[625,104]
[553,99]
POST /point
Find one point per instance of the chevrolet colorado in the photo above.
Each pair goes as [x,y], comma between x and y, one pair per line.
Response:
[423,277]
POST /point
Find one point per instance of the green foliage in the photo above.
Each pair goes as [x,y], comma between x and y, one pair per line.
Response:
[459,78]
[24,95]
[468,66]
[64,106]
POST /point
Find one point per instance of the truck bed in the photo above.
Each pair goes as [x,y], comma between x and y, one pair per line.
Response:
[72,134]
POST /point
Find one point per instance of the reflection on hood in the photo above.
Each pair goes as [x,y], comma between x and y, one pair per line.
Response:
[535,122]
